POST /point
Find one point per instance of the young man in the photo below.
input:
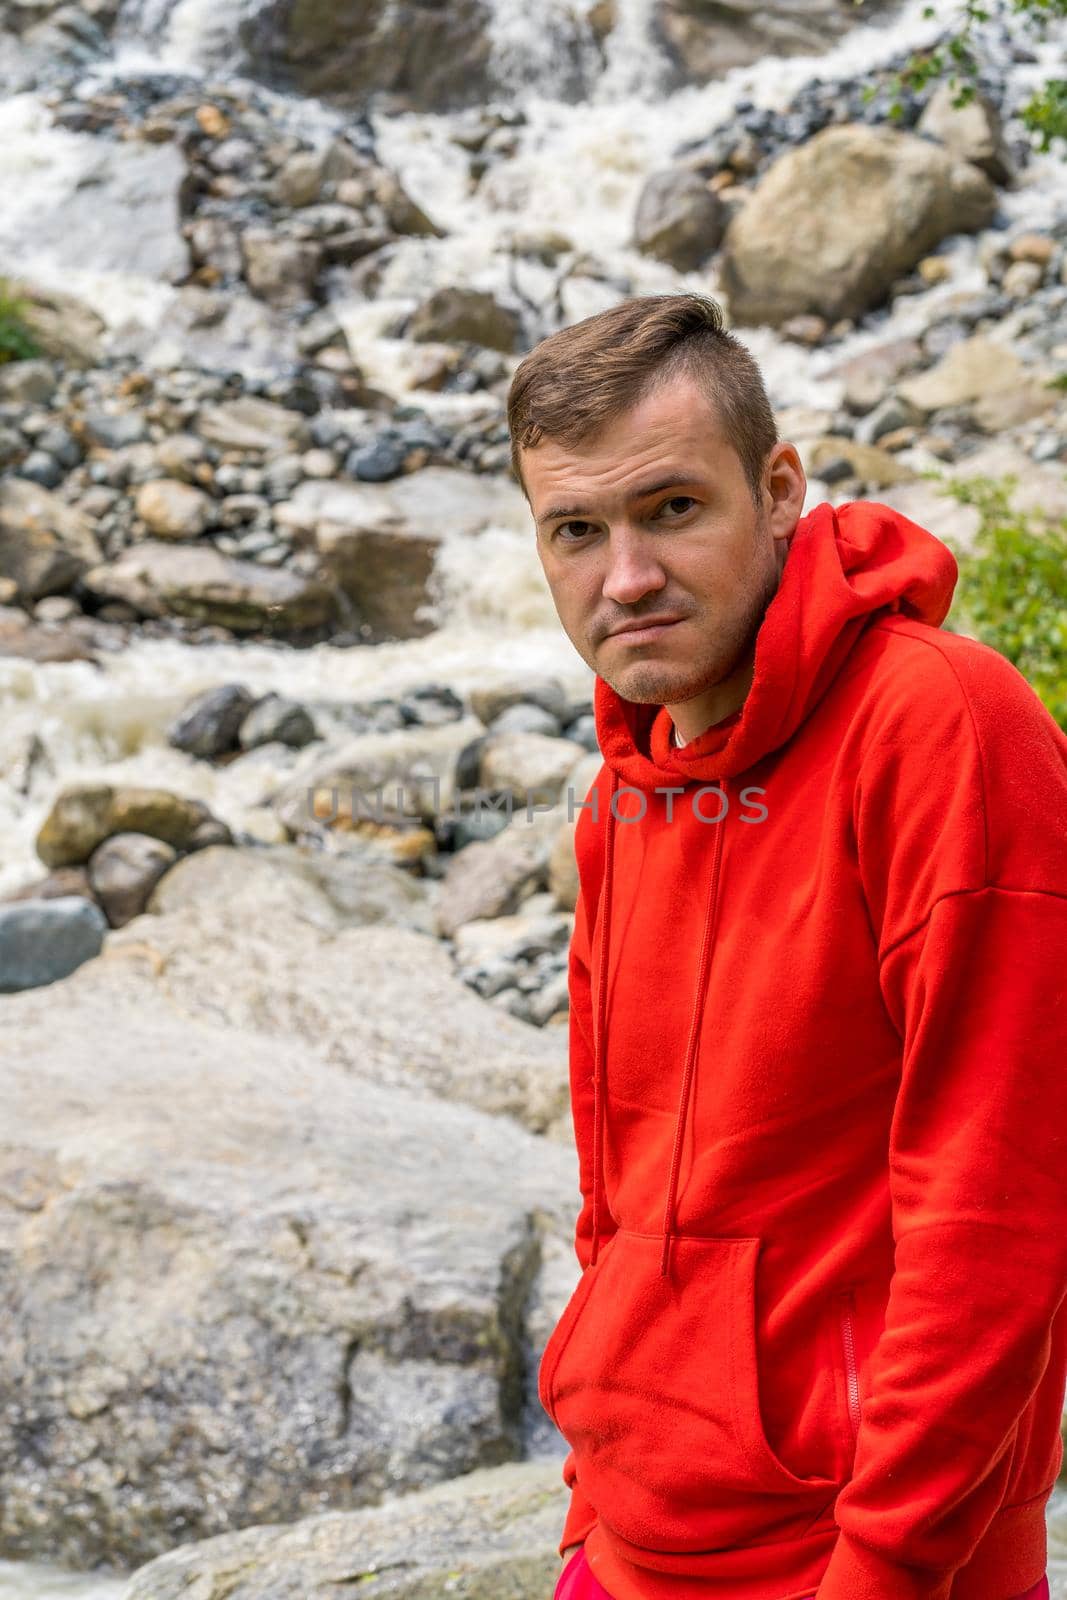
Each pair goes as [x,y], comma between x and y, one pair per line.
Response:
[818,1027]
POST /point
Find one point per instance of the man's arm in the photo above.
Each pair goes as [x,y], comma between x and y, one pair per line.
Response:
[961,832]
[581,1515]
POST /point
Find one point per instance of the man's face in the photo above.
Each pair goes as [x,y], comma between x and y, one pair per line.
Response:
[655,517]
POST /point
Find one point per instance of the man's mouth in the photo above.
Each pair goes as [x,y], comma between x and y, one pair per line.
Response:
[644,630]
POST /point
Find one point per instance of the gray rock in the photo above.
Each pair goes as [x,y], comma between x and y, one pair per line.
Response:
[290,882]
[548,693]
[380,999]
[180,455]
[972,132]
[201,583]
[709,40]
[72,641]
[41,468]
[1022,279]
[430,58]
[407,773]
[208,725]
[492,877]
[124,870]
[27,383]
[481,944]
[457,315]
[256,426]
[12,445]
[678,218]
[550,1001]
[379,543]
[299,180]
[114,430]
[974,369]
[893,412]
[261,1319]
[583,731]
[276,718]
[281,271]
[868,377]
[214,242]
[43,940]
[490,1535]
[532,767]
[60,443]
[526,718]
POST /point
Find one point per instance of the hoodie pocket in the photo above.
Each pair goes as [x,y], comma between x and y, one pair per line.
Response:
[654,1382]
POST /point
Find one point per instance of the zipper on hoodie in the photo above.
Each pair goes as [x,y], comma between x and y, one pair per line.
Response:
[852,1377]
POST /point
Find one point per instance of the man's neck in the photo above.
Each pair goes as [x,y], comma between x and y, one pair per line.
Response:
[696,716]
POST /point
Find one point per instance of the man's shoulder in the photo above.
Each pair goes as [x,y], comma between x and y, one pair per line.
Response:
[956,756]
[927,686]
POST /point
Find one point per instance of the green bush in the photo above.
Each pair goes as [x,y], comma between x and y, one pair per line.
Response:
[16,340]
[1012,589]
[956,62]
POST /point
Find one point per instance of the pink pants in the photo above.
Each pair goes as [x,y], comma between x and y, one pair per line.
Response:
[576,1582]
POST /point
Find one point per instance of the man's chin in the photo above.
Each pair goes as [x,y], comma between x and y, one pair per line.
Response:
[645,685]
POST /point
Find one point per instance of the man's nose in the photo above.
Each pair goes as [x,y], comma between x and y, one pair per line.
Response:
[634,567]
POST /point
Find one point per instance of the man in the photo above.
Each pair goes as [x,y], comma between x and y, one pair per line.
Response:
[818,1028]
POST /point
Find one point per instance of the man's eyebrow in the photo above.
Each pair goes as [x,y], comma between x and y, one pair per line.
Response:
[643,492]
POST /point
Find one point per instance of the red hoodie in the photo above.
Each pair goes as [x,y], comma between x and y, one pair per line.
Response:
[819,1088]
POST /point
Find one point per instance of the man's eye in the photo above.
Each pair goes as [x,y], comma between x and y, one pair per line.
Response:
[686,499]
[565,525]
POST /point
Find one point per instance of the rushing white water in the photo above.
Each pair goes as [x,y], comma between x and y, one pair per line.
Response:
[25,1581]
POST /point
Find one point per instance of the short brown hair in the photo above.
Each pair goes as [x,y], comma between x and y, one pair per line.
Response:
[581,378]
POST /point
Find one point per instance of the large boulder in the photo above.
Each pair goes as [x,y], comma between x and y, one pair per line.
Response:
[837,221]
[243,1279]
[205,586]
[294,882]
[707,38]
[380,1000]
[490,1535]
[380,542]
[424,53]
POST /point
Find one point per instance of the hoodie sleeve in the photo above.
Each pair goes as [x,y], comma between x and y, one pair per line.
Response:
[581,1515]
[961,841]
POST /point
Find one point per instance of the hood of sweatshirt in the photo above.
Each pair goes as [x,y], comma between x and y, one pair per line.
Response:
[844,565]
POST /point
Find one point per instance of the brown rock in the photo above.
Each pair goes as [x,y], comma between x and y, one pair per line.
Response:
[836,221]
